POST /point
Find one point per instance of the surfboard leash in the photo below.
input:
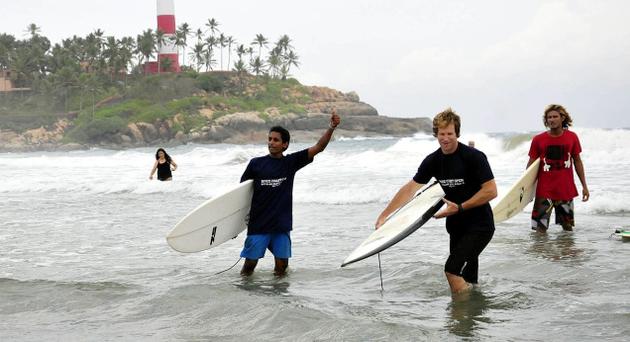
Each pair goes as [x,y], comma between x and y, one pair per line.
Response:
[380,271]
[231,267]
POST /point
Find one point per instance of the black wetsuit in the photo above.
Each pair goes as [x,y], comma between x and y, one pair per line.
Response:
[461,175]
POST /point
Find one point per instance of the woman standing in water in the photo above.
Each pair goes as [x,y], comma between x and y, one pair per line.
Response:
[163,164]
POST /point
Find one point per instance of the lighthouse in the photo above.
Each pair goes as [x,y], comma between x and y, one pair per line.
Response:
[166,24]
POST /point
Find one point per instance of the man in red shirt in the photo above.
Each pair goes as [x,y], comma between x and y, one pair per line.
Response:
[559,150]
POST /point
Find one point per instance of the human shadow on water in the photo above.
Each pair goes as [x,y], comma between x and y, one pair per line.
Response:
[559,247]
[466,313]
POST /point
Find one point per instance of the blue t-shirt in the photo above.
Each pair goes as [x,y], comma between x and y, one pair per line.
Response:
[461,174]
[272,203]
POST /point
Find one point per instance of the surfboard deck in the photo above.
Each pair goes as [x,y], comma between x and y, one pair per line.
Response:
[401,223]
[214,222]
[518,196]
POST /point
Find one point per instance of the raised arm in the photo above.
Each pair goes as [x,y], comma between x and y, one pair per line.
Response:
[579,169]
[404,194]
[153,170]
[323,141]
[487,192]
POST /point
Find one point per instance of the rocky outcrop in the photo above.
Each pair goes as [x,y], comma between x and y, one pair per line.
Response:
[358,119]
[344,108]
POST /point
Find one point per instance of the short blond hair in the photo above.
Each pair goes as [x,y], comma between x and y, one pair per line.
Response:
[566,118]
[445,118]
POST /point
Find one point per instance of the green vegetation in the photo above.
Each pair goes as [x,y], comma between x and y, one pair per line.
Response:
[100,84]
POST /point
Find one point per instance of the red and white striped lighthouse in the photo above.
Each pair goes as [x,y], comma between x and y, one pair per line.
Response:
[166,24]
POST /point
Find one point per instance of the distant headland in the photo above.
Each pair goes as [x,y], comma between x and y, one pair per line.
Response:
[97,91]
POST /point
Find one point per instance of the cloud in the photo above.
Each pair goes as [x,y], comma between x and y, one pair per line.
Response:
[567,51]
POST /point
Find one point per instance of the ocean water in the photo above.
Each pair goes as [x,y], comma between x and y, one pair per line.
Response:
[83,255]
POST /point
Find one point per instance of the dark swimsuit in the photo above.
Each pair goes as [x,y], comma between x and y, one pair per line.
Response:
[164,171]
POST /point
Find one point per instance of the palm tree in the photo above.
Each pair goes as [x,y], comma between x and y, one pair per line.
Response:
[258,66]
[261,41]
[198,54]
[160,39]
[222,41]
[240,51]
[291,58]
[211,42]
[127,46]
[180,41]
[111,54]
[284,43]
[7,44]
[92,46]
[250,51]
[99,35]
[33,30]
[229,41]
[182,34]
[22,66]
[274,61]
[212,25]
[199,35]
[209,59]
[240,67]
[145,45]
[241,70]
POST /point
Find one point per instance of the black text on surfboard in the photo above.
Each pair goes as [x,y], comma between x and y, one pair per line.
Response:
[214,232]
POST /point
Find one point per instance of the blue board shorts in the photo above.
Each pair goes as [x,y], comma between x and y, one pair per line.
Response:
[278,243]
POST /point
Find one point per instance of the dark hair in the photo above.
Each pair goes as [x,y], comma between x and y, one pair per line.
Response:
[284,134]
[166,156]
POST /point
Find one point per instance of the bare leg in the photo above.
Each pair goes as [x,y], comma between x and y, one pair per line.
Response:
[248,267]
[457,283]
[280,269]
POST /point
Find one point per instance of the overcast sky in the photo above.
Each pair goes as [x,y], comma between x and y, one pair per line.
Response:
[496,63]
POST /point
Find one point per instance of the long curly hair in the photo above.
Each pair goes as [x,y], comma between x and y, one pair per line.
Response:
[566,118]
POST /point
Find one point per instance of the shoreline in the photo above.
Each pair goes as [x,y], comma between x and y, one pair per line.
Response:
[235,130]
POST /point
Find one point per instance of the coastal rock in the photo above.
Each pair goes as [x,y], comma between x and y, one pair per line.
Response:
[353,96]
[325,94]
[149,132]
[135,132]
[344,108]
[242,121]
[181,137]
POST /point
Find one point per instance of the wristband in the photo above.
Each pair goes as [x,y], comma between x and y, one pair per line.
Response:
[331,126]
[460,208]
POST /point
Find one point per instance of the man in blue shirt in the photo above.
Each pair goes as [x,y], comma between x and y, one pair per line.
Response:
[270,217]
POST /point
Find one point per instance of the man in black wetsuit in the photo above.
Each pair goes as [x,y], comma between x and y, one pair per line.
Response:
[468,182]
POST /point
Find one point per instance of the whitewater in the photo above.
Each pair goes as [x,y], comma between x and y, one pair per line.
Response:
[83,254]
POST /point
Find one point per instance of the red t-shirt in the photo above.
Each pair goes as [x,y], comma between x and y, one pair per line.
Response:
[555,175]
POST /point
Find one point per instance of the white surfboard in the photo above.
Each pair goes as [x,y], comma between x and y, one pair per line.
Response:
[401,223]
[214,222]
[519,195]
